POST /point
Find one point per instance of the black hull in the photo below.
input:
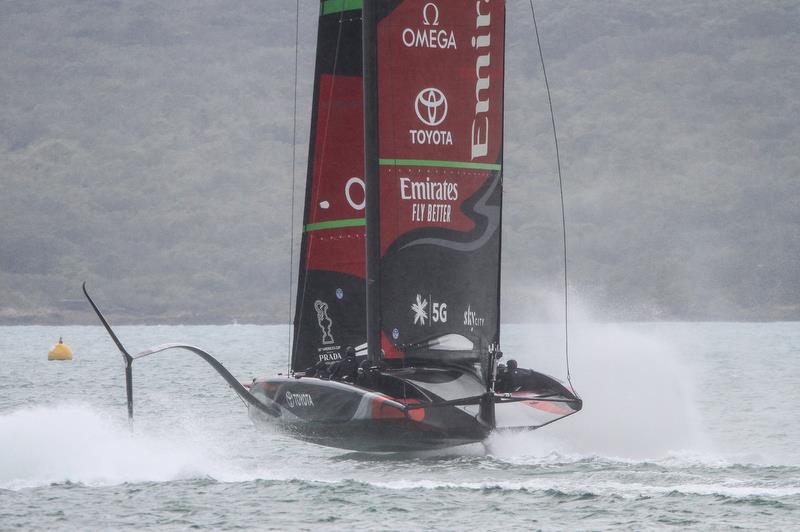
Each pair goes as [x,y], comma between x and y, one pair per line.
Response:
[347,416]
[410,409]
[374,436]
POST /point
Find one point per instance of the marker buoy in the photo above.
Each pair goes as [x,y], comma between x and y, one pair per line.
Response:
[60,351]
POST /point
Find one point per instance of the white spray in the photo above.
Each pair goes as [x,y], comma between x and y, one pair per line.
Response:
[638,395]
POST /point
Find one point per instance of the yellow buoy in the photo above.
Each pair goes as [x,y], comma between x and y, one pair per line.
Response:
[60,351]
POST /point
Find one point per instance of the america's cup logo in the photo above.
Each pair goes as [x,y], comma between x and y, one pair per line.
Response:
[431,106]
[324,321]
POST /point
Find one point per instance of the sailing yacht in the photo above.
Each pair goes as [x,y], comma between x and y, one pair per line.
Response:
[399,272]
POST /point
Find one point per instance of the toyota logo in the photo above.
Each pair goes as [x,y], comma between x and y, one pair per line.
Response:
[431,106]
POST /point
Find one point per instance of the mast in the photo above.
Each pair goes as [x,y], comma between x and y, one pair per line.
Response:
[371,178]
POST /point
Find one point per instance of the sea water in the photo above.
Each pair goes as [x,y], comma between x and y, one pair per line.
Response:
[685,425]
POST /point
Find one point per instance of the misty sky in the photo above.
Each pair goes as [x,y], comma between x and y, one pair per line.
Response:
[146,147]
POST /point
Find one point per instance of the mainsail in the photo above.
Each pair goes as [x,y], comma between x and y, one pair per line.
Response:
[330,310]
[439,97]
[434,116]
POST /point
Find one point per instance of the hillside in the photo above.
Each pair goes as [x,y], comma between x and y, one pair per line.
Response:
[146,149]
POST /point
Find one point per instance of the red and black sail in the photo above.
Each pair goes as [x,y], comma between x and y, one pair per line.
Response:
[439,94]
[411,212]
[330,311]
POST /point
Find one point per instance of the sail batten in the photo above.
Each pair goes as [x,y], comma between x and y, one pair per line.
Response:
[335,224]
[441,164]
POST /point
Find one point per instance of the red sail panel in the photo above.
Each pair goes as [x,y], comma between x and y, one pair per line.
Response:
[440,72]
[331,301]
[335,211]
[440,116]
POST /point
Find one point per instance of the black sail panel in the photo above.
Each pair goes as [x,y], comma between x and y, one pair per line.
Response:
[440,124]
[330,310]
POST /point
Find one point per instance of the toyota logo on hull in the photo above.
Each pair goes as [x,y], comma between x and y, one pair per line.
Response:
[431,106]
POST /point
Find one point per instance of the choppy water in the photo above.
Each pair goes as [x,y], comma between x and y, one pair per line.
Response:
[684,426]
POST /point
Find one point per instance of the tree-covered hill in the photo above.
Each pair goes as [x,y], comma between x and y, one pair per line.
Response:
[147,149]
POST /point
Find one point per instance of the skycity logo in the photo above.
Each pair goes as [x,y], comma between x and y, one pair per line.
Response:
[431,36]
[471,318]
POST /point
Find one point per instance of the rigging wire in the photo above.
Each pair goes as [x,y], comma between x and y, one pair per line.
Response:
[561,191]
[294,161]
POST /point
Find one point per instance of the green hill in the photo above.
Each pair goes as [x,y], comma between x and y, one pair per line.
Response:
[147,150]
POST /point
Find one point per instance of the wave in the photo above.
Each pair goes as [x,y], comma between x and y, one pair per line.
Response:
[74,443]
[77,444]
[599,489]
[552,487]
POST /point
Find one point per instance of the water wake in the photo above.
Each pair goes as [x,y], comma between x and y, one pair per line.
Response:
[74,443]
[638,398]
[562,486]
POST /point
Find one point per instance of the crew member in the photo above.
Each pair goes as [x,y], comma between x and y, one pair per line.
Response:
[364,376]
[507,379]
[347,369]
[321,370]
